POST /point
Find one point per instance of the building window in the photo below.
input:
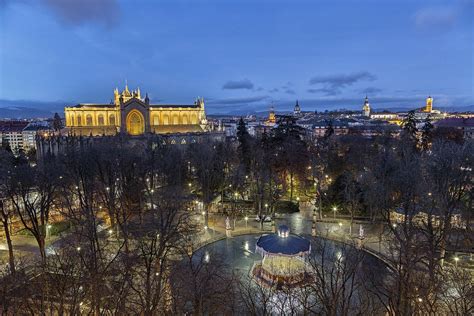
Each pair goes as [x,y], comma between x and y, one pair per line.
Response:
[175,119]
[166,120]
[71,119]
[111,119]
[89,120]
[156,120]
[79,120]
[194,119]
[184,119]
[100,119]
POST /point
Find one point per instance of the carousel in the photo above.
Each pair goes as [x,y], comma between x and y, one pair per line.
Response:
[283,262]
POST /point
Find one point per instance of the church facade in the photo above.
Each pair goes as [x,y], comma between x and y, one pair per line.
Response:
[130,114]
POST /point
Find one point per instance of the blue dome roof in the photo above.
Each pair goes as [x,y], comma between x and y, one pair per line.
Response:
[283,244]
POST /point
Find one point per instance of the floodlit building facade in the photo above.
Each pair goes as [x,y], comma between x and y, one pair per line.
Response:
[129,113]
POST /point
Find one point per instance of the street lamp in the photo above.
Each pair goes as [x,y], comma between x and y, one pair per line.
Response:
[456,259]
[335,210]
[48,233]
[246,221]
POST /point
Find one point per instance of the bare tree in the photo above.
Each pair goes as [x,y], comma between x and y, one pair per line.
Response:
[32,192]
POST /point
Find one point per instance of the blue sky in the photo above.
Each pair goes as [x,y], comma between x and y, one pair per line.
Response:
[239,55]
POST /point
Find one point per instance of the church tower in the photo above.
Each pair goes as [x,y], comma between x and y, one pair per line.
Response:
[297,110]
[271,115]
[429,105]
[366,107]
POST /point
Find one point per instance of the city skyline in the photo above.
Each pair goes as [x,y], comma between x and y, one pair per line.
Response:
[240,56]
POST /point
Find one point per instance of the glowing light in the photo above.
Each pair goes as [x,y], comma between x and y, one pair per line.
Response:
[78,248]
[246,218]
[110,231]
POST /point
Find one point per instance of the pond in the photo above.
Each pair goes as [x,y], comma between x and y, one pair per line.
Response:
[238,253]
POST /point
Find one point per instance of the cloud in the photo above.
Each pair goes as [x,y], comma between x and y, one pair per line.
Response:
[237,101]
[324,91]
[436,17]
[290,91]
[371,90]
[238,84]
[333,84]
[273,90]
[74,12]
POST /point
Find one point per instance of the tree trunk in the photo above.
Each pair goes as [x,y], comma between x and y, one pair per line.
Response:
[11,258]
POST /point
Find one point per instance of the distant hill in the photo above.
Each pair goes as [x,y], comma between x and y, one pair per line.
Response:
[22,109]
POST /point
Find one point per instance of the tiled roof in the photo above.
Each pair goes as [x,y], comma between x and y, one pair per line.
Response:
[455,122]
[12,126]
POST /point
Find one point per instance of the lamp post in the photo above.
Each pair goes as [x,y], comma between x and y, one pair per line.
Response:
[48,231]
[246,221]
[335,210]
[456,259]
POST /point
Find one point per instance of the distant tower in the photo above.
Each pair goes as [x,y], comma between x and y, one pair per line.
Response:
[366,107]
[271,115]
[429,105]
[297,109]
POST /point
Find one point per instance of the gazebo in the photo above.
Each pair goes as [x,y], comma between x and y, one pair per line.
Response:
[283,261]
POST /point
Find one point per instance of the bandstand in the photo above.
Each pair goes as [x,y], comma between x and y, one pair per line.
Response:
[284,259]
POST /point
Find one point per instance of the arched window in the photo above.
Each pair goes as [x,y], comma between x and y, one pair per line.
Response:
[194,119]
[89,120]
[100,119]
[112,119]
[175,119]
[166,119]
[156,119]
[184,119]
[71,120]
[79,120]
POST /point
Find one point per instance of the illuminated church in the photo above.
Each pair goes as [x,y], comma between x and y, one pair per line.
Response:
[129,113]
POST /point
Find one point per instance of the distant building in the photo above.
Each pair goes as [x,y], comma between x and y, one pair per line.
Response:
[11,134]
[297,110]
[271,116]
[366,108]
[33,130]
[321,128]
[429,105]
[466,125]
[129,113]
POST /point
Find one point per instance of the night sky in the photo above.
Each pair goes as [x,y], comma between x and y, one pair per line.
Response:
[239,55]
